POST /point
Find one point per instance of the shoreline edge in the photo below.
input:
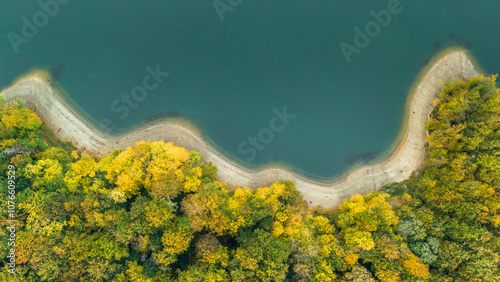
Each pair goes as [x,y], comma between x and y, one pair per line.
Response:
[405,156]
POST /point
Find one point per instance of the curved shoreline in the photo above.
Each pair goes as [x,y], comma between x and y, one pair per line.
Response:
[400,164]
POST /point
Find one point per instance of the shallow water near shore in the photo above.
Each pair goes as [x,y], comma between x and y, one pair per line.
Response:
[230,77]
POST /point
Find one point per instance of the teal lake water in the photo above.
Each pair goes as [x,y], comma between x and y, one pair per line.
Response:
[226,77]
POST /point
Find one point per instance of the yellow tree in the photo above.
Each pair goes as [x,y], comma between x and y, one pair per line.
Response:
[415,266]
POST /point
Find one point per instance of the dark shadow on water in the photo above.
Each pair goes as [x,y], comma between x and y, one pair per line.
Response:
[438,45]
[461,42]
[56,71]
[361,158]
[173,114]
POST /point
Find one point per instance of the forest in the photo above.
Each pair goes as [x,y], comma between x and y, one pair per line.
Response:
[156,212]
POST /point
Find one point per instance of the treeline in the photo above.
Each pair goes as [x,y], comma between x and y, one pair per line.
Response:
[155,212]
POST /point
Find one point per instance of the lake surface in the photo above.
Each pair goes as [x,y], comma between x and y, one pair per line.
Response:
[231,73]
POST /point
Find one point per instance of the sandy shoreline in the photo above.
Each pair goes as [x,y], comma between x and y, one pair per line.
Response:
[404,160]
